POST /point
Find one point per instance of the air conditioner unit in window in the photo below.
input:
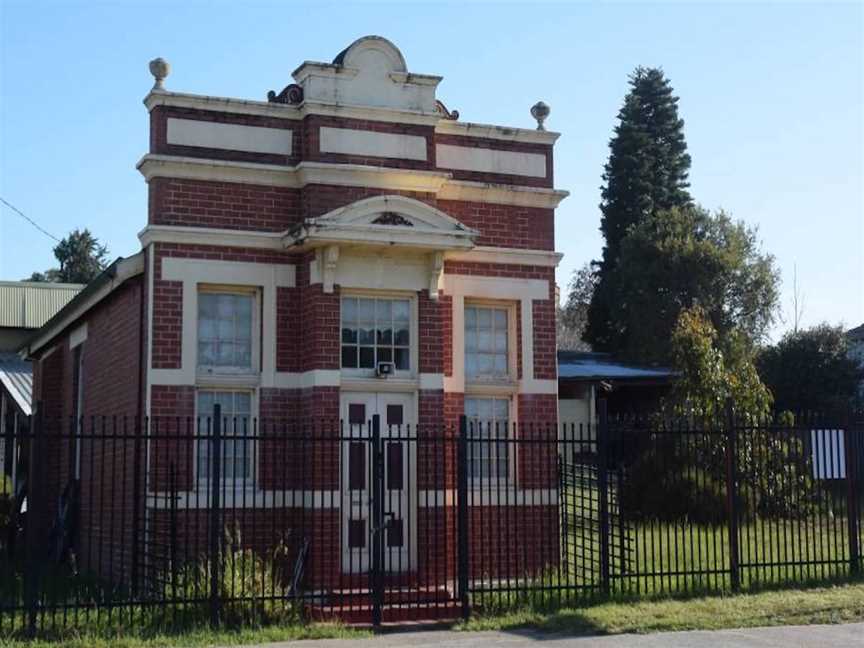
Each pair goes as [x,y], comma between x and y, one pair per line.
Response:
[385,369]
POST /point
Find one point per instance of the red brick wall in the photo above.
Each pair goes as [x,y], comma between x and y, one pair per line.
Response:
[111,396]
[223,205]
[506,226]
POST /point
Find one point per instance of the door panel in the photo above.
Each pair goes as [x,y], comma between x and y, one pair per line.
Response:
[397,414]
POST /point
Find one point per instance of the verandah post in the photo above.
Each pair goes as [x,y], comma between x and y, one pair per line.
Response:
[462,514]
[603,488]
[215,525]
[732,493]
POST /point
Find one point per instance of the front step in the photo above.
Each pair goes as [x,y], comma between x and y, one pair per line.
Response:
[362,614]
[354,606]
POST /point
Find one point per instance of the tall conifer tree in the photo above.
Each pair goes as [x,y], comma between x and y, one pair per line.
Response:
[646,173]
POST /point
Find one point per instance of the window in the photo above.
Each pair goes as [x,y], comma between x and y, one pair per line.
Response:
[238,455]
[488,429]
[375,330]
[486,343]
[225,330]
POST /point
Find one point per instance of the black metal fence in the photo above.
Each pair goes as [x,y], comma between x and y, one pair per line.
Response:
[170,522]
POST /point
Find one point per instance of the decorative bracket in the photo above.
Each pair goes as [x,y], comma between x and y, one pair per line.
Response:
[329,262]
[436,269]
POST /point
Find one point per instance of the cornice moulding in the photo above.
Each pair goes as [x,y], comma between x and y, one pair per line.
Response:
[291,112]
[440,183]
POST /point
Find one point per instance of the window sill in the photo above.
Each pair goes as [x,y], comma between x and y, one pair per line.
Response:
[492,388]
[396,383]
[211,378]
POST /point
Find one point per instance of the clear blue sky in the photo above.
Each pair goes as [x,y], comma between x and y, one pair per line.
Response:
[771,95]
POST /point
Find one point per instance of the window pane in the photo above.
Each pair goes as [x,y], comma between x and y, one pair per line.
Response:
[366,310]
[402,337]
[385,336]
[470,317]
[367,357]
[484,318]
[349,309]
[501,340]
[402,359]
[381,330]
[401,310]
[225,330]
[367,336]
[237,454]
[349,357]
[488,422]
[486,343]
[384,311]
[500,319]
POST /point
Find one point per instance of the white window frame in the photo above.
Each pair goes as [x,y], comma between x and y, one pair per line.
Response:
[413,332]
[487,480]
[498,388]
[508,383]
[248,483]
[206,372]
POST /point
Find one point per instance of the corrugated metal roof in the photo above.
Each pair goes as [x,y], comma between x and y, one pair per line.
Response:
[601,366]
[27,304]
[16,376]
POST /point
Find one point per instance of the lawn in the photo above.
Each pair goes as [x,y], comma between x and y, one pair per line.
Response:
[190,639]
[836,604]
[669,558]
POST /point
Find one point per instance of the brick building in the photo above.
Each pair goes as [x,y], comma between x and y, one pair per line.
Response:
[346,248]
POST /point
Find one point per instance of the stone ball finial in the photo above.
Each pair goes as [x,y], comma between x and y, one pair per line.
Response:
[159,68]
[540,111]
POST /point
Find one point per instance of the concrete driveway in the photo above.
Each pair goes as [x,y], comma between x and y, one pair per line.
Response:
[834,636]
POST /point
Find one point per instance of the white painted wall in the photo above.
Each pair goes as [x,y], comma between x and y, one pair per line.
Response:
[233,137]
[359,142]
[490,160]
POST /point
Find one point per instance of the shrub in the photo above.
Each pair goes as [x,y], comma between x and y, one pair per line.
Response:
[253,587]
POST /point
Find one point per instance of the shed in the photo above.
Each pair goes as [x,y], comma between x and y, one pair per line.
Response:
[583,377]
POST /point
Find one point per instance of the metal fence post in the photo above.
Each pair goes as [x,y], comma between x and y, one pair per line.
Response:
[138,502]
[462,515]
[603,487]
[377,584]
[852,443]
[215,525]
[36,506]
[732,493]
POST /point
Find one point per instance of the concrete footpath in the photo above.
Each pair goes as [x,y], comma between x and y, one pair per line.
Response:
[834,636]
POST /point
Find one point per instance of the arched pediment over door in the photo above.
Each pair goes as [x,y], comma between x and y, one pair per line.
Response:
[383,227]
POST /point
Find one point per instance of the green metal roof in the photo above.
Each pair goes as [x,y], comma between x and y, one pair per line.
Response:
[28,304]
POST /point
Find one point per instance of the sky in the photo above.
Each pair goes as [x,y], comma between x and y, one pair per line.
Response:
[772,96]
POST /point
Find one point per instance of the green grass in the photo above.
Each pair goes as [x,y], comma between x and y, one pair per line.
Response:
[189,639]
[837,604]
[668,558]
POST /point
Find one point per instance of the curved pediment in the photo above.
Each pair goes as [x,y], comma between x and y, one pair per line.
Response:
[387,221]
[370,72]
